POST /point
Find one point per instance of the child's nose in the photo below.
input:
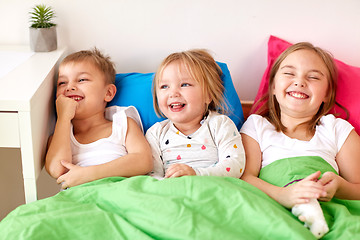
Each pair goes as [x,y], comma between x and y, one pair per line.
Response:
[70,87]
[174,92]
[299,82]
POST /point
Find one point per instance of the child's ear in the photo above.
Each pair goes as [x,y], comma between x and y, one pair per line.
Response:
[208,99]
[328,96]
[110,92]
[272,89]
[326,99]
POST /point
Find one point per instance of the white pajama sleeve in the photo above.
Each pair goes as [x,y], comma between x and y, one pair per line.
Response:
[231,154]
[158,171]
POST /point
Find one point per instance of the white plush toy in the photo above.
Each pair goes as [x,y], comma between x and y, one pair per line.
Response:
[312,215]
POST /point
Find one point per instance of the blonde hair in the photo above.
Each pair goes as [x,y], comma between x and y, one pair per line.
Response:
[102,62]
[271,110]
[202,68]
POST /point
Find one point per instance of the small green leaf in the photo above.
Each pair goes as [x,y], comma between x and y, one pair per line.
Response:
[42,16]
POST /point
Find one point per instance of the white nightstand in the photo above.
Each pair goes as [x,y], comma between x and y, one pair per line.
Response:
[27,114]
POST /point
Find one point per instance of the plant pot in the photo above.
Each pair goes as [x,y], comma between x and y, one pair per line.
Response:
[43,39]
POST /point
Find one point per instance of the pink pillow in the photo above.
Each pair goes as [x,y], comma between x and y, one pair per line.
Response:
[348,83]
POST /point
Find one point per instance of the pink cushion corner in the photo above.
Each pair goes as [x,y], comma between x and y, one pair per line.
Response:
[348,82]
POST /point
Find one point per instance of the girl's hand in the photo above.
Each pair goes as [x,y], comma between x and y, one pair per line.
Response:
[331,182]
[302,191]
[178,170]
[76,175]
[65,107]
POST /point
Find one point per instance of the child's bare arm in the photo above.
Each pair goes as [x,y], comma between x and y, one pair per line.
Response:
[59,143]
[297,193]
[138,161]
[347,185]
[253,166]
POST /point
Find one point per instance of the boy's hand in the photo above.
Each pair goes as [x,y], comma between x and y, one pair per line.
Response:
[302,191]
[178,170]
[65,107]
[76,175]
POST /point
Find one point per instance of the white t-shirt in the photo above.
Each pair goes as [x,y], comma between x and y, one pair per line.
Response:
[327,141]
[106,149]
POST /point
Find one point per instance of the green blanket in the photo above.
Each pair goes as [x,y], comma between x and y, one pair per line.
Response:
[181,208]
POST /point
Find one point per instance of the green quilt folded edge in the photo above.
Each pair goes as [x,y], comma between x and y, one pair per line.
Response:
[286,170]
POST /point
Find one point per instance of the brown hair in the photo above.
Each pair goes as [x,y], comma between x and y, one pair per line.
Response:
[270,107]
[202,68]
[102,62]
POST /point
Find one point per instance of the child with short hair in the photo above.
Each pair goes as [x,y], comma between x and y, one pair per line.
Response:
[91,141]
[195,139]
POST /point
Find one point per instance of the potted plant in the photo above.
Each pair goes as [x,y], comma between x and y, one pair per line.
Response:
[42,30]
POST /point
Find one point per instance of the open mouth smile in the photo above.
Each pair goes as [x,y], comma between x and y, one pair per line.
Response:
[76,98]
[176,106]
[298,95]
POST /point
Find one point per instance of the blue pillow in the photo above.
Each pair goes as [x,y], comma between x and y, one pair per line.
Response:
[134,89]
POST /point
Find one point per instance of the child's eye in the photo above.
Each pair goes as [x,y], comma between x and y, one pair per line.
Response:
[164,86]
[61,83]
[185,85]
[82,80]
[314,77]
[289,73]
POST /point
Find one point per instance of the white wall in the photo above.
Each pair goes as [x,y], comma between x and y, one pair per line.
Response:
[138,34]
